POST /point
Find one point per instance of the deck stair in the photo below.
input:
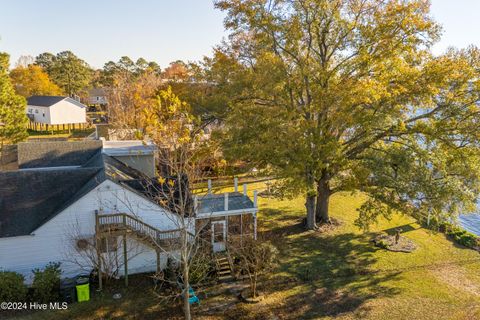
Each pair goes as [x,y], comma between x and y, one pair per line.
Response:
[224,268]
[125,224]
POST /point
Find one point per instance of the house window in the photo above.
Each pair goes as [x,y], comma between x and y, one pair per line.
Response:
[36,110]
[108,244]
[43,114]
[30,110]
[98,98]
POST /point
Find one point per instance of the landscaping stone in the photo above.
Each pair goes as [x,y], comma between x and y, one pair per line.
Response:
[389,242]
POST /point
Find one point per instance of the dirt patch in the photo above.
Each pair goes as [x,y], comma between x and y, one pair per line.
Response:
[455,276]
[328,227]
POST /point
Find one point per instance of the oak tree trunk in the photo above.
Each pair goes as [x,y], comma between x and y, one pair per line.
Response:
[310,206]
[323,197]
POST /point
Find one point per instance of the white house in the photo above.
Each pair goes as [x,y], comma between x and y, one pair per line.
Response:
[44,111]
[97,97]
[68,197]
[48,213]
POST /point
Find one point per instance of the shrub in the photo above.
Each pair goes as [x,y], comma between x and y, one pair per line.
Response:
[46,283]
[12,287]
[201,267]
[459,235]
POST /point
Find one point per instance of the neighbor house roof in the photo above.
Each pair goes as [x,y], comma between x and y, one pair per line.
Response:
[56,153]
[128,148]
[30,197]
[96,92]
[48,101]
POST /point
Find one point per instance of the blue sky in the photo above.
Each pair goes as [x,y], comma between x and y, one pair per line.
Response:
[159,30]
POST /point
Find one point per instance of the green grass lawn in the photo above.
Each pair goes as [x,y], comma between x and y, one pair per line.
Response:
[335,274]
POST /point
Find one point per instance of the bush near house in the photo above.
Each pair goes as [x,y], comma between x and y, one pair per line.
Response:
[12,287]
[46,283]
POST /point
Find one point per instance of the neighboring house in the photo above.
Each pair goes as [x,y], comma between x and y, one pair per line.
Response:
[45,111]
[68,195]
[97,97]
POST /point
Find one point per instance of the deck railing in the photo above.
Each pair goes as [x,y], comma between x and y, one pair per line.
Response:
[125,222]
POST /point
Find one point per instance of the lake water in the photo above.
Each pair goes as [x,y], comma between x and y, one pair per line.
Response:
[470,222]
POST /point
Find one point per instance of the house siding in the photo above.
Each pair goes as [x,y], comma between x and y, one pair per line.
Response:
[41,114]
[53,240]
[65,112]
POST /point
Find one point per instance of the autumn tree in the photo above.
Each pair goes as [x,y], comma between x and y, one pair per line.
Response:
[169,123]
[176,71]
[32,80]
[127,98]
[346,95]
[13,119]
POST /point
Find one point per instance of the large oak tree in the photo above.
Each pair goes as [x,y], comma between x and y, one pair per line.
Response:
[345,95]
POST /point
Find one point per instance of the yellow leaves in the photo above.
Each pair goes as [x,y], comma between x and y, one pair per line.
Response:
[32,80]
[168,120]
[161,180]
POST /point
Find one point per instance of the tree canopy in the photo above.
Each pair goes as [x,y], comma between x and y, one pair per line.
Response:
[346,95]
[32,80]
[126,69]
[66,70]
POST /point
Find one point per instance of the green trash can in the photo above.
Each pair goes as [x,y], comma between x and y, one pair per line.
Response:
[83,288]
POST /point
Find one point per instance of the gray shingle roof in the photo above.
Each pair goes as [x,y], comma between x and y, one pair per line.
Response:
[216,202]
[97,92]
[29,198]
[48,101]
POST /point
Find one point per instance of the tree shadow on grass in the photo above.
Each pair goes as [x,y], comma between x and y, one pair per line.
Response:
[335,272]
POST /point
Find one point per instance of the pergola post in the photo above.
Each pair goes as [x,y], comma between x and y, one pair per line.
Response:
[235,184]
[255,226]
[226,202]
[255,204]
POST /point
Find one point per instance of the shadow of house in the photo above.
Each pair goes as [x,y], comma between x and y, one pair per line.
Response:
[403,229]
